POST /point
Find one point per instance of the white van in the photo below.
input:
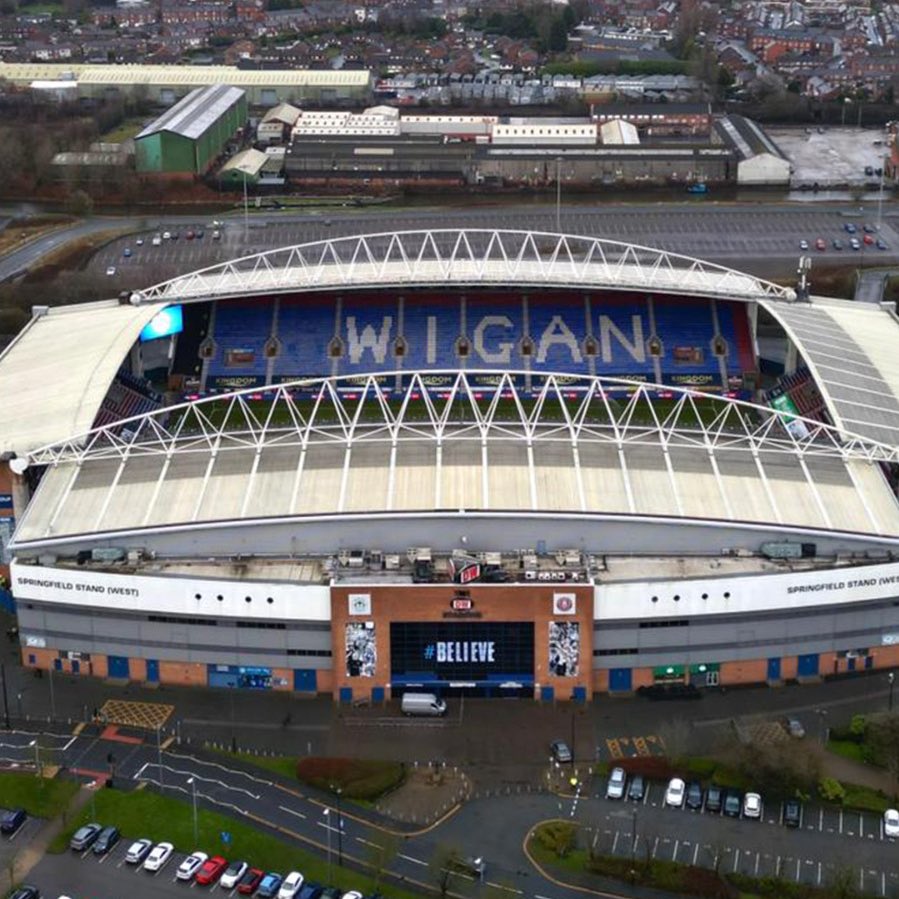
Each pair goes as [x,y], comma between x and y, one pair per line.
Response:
[424,704]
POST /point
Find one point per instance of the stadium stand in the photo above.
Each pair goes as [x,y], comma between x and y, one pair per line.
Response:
[800,387]
[255,342]
[128,396]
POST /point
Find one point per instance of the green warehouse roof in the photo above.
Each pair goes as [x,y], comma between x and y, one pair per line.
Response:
[195,114]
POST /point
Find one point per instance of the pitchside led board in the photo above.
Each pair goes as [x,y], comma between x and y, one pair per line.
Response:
[165,323]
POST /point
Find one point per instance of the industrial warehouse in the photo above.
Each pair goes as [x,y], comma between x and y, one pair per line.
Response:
[488,463]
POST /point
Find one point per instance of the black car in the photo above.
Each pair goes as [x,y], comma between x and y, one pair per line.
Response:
[733,804]
[309,890]
[13,820]
[637,788]
[26,891]
[331,893]
[694,794]
[713,798]
[793,813]
[109,836]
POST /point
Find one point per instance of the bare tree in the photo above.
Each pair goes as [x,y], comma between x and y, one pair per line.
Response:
[382,854]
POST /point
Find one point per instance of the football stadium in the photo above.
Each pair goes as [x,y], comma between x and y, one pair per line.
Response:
[476,462]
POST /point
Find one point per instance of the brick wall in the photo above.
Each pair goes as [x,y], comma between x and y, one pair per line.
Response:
[191,674]
[493,603]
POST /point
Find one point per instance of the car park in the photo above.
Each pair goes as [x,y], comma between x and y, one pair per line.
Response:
[291,885]
[637,789]
[714,798]
[269,886]
[891,823]
[251,879]
[138,851]
[733,804]
[107,838]
[189,867]
[617,783]
[674,795]
[158,857]
[752,805]
[85,836]
[792,813]
[13,820]
[211,870]
[694,795]
[560,751]
[232,874]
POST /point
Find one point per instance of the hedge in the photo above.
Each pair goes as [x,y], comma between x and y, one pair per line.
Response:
[365,779]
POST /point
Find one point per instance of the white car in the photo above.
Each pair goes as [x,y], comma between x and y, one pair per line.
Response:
[189,867]
[291,885]
[674,795]
[352,894]
[157,240]
[803,244]
[752,805]
[110,271]
[616,785]
[156,860]
[138,851]
[232,875]
[891,823]
[139,241]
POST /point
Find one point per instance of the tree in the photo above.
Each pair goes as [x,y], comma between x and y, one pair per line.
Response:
[79,203]
[442,868]
[882,736]
[381,855]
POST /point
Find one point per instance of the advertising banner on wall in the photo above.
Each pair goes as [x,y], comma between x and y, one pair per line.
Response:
[361,649]
[564,648]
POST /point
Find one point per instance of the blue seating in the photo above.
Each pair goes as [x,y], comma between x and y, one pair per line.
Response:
[557,328]
[369,327]
[431,327]
[621,328]
[305,330]
[494,327]
[241,329]
[687,329]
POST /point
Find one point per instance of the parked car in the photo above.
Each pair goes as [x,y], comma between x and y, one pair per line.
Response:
[269,886]
[616,785]
[166,235]
[126,252]
[189,867]
[472,865]
[868,229]
[110,271]
[752,805]
[733,804]
[793,813]
[713,798]
[251,879]
[850,228]
[310,891]
[837,243]
[139,241]
[85,836]
[855,244]
[108,837]
[891,823]
[637,788]
[794,728]
[26,891]
[803,244]
[158,857]
[670,691]
[868,239]
[331,893]
[560,751]
[881,244]
[291,885]
[232,875]
[674,795]
[820,245]
[694,794]
[13,820]
[138,851]
[211,870]
[352,894]
[157,240]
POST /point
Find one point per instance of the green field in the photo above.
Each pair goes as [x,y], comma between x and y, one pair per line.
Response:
[124,130]
[38,796]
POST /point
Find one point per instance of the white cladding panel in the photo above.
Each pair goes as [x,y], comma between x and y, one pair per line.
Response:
[798,590]
[171,595]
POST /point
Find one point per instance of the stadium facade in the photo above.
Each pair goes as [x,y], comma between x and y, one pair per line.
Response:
[480,462]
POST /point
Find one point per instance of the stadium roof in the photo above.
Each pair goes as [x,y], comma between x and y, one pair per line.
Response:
[184,76]
[850,348]
[54,375]
[193,115]
[562,450]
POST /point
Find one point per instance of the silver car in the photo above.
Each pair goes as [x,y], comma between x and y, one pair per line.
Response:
[617,784]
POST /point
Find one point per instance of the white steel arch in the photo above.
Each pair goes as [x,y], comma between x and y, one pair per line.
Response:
[459,257]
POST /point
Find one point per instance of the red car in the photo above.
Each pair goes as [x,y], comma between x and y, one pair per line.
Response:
[250,881]
[211,869]
[868,239]
[819,244]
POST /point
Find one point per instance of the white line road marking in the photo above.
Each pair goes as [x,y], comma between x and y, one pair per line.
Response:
[416,861]
[798,863]
[821,819]
[756,872]
[290,811]
[365,842]
[819,873]
[674,855]
[736,860]
[695,854]
[141,770]
[883,883]
[499,886]
[861,824]
[615,842]
[655,846]
[841,820]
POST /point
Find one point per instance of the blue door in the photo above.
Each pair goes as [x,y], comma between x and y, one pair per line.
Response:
[774,669]
[850,663]
[377,695]
[304,680]
[346,695]
[620,680]
[152,671]
[117,666]
[547,694]
[869,662]
[76,666]
[57,665]
[808,665]
[579,694]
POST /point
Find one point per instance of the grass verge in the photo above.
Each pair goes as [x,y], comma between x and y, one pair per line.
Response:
[865,799]
[848,749]
[38,796]
[284,765]
[365,779]
[143,813]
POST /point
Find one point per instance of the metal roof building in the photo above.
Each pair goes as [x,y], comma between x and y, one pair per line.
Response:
[187,138]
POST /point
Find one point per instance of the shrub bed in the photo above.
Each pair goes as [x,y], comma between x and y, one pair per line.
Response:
[364,779]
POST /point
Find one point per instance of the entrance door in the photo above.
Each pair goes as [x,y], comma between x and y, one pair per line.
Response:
[117,667]
[620,680]
[774,669]
[808,665]
[152,671]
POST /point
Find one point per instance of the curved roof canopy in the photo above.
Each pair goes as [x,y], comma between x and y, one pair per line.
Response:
[329,447]
[469,256]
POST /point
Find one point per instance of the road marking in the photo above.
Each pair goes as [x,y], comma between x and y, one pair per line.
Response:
[798,863]
[674,855]
[416,861]
[821,819]
[615,842]
[655,846]
[756,872]
[861,824]
[499,886]
[365,842]
[841,820]
[819,873]
[290,811]
[736,860]
[883,883]
[695,854]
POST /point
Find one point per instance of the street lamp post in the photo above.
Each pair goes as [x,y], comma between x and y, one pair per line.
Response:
[890,678]
[5,697]
[193,783]
[52,698]
[633,835]
[327,816]
[339,831]
[37,757]
[159,758]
